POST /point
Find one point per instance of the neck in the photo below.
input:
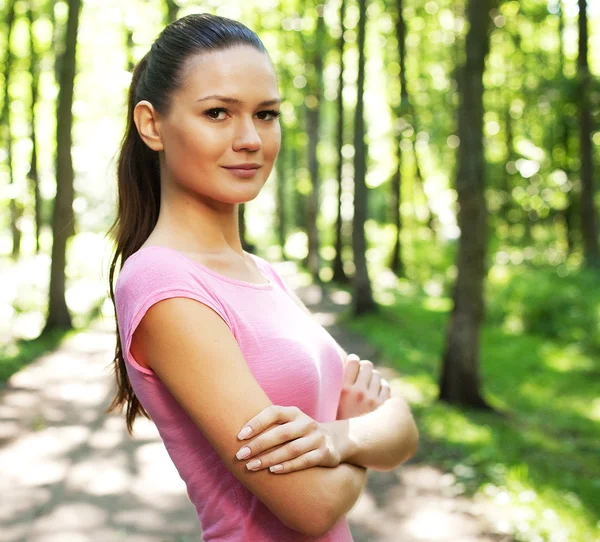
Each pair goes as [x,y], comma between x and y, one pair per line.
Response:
[190,224]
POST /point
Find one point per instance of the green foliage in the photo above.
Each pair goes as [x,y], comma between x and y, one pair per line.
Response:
[538,463]
[543,303]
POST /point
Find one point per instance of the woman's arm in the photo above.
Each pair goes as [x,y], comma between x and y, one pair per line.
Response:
[379,440]
[207,374]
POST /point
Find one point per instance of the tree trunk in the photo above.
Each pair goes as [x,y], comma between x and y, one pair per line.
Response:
[397,263]
[588,189]
[569,212]
[339,275]
[460,382]
[363,296]
[246,245]
[129,44]
[34,68]
[63,216]
[281,185]
[5,124]
[172,11]
[313,121]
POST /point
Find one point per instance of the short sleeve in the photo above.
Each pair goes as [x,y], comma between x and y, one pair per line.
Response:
[148,277]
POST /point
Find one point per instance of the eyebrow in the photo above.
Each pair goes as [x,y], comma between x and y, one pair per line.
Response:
[236,101]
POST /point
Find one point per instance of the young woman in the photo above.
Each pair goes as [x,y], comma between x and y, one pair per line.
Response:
[269,423]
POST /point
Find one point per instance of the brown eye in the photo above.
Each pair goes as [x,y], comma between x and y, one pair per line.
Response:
[215,110]
[274,114]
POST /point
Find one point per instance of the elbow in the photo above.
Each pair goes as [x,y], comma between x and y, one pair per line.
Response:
[405,450]
[316,524]
[411,445]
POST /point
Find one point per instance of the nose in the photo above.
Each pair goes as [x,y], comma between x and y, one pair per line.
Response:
[246,136]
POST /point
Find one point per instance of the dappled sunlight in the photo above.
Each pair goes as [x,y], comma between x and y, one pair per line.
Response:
[566,358]
[23,304]
[77,466]
[456,427]
[437,304]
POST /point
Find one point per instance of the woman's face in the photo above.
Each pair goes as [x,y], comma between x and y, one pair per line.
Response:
[202,135]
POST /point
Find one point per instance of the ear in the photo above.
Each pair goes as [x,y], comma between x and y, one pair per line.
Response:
[146,121]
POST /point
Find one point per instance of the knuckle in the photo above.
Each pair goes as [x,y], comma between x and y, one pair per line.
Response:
[360,395]
[305,461]
[312,425]
[284,433]
[295,448]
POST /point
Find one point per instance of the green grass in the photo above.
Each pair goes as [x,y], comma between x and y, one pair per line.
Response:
[19,353]
[541,462]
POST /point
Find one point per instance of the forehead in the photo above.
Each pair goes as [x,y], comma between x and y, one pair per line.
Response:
[237,72]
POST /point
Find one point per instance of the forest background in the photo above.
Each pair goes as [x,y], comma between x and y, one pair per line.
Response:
[438,164]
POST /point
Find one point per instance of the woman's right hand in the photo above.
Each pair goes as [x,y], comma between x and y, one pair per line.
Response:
[363,390]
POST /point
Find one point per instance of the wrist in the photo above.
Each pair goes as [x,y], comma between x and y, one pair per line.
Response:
[339,431]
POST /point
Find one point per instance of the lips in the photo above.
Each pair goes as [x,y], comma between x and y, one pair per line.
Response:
[243,166]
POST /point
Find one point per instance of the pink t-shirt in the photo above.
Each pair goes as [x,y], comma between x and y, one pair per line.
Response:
[293,358]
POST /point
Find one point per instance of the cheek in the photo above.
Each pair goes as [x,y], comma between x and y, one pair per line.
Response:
[193,148]
[272,143]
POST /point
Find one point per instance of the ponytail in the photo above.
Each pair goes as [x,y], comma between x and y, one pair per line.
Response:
[158,74]
[138,207]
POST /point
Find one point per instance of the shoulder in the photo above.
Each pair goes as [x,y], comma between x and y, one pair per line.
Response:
[151,275]
[150,269]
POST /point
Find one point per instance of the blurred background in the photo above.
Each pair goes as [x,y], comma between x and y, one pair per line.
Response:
[438,168]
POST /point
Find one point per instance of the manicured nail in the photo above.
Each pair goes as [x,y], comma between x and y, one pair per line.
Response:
[244,452]
[245,433]
[254,464]
[276,468]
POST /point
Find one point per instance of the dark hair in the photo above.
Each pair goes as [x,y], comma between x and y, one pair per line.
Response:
[159,73]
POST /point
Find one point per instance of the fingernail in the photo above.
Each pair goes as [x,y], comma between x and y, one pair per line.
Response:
[244,452]
[276,468]
[253,464]
[245,433]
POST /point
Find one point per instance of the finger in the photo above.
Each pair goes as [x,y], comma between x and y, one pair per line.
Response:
[305,461]
[276,435]
[375,384]
[364,374]
[386,390]
[351,369]
[289,451]
[267,417]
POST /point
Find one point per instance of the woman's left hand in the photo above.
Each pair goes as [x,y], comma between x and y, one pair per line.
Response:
[303,442]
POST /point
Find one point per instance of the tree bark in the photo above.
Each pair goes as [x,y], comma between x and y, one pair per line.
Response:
[34,68]
[396,262]
[172,11]
[63,216]
[313,121]
[460,381]
[281,186]
[339,275]
[588,189]
[363,296]
[569,213]
[5,124]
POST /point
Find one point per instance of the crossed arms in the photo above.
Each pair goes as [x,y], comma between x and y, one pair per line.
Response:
[221,395]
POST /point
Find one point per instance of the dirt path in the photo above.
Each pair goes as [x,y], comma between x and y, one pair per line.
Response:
[70,473]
